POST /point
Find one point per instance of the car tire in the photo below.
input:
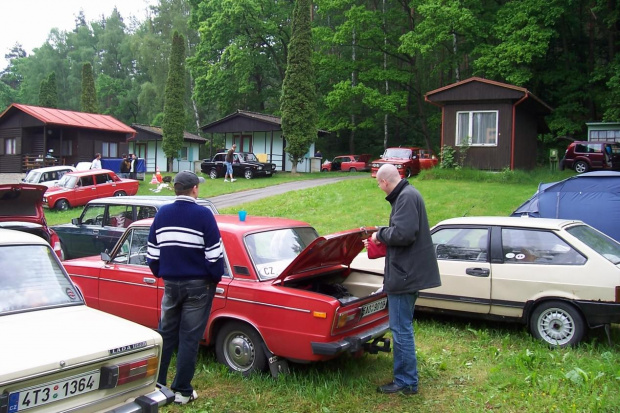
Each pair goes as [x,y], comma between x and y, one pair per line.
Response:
[557,323]
[213,173]
[240,348]
[352,169]
[323,169]
[408,173]
[62,205]
[120,193]
[581,167]
[248,174]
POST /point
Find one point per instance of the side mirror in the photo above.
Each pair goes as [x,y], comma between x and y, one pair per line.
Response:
[105,256]
[76,221]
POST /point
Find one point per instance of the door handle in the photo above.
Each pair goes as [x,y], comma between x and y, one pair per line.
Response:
[219,290]
[149,280]
[478,272]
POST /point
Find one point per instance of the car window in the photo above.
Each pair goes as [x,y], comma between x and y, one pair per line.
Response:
[523,246]
[250,157]
[86,181]
[463,244]
[273,251]
[93,215]
[219,158]
[119,216]
[600,243]
[102,178]
[32,279]
[33,177]
[68,181]
[146,212]
[397,153]
[133,249]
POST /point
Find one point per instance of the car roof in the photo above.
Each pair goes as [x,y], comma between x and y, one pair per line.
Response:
[522,222]
[90,172]
[54,168]
[143,200]
[251,224]
[11,237]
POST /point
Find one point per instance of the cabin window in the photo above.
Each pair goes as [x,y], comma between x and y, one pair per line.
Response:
[476,128]
[109,150]
[10,146]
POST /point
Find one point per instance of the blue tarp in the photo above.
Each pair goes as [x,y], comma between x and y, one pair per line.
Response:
[592,197]
[114,164]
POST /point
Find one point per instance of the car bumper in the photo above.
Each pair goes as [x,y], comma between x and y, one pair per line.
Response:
[150,402]
[599,313]
[353,343]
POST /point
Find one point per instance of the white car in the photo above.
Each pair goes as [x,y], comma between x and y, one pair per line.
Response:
[48,176]
[559,277]
[59,355]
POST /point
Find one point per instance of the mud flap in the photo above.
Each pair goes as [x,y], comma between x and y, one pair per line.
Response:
[277,365]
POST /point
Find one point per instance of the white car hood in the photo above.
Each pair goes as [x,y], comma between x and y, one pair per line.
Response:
[69,334]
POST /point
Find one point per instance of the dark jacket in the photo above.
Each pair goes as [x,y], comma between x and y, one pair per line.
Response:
[229,156]
[125,166]
[410,262]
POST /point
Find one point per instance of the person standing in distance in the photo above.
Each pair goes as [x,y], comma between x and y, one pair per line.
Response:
[132,166]
[96,163]
[185,249]
[410,266]
[230,157]
[125,167]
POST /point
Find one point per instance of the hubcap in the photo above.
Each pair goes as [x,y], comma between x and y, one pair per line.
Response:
[239,351]
[556,327]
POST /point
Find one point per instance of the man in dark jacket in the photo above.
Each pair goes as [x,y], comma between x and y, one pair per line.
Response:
[410,266]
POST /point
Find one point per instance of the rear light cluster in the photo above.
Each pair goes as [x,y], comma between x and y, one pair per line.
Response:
[117,375]
[346,318]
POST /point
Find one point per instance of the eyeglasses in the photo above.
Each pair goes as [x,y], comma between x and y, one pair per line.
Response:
[379,182]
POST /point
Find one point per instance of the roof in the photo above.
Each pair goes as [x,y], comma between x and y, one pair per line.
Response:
[246,121]
[12,237]
[522,222]
[61,117]
[156,130]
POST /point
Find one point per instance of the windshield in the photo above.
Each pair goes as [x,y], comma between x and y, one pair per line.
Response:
[273,251]
[33,177]
[31,279]
[401,153]
[67,181]
[607,247]
[249,157]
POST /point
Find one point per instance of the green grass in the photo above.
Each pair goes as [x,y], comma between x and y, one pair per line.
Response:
[465,365]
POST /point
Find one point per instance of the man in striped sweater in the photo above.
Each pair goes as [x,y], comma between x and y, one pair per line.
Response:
[185,249]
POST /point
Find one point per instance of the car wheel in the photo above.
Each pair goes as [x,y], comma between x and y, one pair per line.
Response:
[120,193]
[213,173]
[62,205]
[248,174]
[324,170]
[239,347]
[557,323]
[352,169]
[581,167]
[408,173]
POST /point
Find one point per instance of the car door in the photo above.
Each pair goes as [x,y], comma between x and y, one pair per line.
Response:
[462,256]
[116,220]
[105,185]
[84,191]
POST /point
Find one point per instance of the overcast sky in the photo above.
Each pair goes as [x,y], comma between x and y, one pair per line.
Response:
[28,22]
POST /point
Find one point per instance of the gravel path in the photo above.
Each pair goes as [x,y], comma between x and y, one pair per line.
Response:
[11,178]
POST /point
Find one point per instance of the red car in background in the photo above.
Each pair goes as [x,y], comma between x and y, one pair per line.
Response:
[347,163]
[77,188]
[408,160]
[286,294]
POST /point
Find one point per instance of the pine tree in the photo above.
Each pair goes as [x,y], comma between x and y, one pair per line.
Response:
[89,94]
[174,111]
[298,105]
[48,92]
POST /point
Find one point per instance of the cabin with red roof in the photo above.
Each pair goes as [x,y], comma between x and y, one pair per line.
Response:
[33,137]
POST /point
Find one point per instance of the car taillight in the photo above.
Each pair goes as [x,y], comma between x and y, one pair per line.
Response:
[117,375]
[347,317]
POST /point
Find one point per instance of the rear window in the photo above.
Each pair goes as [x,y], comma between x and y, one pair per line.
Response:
[32,279]
[589,147]
[607,247]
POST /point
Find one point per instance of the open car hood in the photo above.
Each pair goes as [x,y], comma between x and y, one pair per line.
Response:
[328,251]
[22,203]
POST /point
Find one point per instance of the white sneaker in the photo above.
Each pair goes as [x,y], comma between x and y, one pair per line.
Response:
[226,180]
[180,399]
[232,180]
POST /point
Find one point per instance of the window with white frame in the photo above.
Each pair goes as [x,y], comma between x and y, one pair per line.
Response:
[183,153]
[10,146]
[476,128]
[109,150]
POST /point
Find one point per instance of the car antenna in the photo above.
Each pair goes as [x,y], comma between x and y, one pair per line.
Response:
[469,210]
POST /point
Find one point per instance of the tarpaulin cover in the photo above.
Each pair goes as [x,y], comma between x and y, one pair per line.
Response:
[592,197]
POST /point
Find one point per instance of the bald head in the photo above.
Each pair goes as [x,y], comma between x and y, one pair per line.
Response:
[388,177]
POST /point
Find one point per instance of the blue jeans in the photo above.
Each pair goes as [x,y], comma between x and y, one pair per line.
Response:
[400,309]
[229,169]
[185,310]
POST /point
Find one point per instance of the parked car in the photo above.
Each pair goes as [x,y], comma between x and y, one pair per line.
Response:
[77,188]
[60,355]
[584,156]
[558,277]
[287,293]
[347,163]
[103,222]
[48,176]
[408,160]
[245,164]
[21,209]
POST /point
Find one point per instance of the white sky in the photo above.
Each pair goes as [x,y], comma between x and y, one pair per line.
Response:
[30,21]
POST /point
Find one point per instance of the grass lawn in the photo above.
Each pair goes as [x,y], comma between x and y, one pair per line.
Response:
[465,365]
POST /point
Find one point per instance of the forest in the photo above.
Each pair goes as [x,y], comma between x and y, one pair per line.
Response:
[373,62]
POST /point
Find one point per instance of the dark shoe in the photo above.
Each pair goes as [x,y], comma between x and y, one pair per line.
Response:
[392,387]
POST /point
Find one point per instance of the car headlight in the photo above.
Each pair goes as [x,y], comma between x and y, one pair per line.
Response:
[260,168]
[398,166]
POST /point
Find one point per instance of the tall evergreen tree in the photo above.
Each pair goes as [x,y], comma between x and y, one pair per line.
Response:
[89,94]
[299,107]
[48,93]
[174,111]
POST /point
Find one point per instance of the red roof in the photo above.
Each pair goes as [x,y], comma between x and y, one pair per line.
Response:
[60,117]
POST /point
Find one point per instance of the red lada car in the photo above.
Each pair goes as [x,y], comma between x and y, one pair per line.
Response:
[408,160]
[347,163]
[77,188]
[287,293]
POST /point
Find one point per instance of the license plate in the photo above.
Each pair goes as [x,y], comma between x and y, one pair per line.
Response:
[267,172]
[372,308]
[28,398]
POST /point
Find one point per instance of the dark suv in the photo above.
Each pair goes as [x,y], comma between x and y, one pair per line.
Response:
[583,156]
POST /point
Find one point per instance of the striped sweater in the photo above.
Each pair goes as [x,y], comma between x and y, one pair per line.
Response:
[185,243]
